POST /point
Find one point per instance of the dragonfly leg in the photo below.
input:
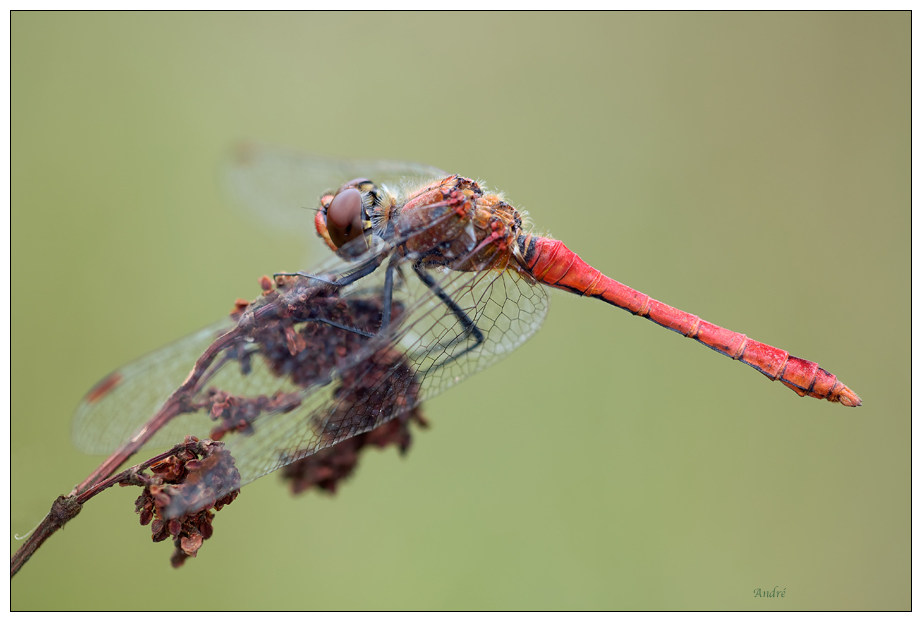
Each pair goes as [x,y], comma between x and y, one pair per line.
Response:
[366,268]
[361,272]
[348,329]
[470,327]
[388,292]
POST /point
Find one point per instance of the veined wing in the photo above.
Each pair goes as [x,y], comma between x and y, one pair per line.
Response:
[303,381]
[427,349]
[122,402]
[281,186]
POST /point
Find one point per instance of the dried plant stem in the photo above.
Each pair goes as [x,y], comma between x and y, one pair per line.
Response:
[173,406]
[65,508]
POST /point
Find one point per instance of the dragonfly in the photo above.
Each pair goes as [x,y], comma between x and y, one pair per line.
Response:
[430,278]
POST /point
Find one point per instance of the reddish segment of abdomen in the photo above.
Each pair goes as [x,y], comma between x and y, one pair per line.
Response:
[552,263]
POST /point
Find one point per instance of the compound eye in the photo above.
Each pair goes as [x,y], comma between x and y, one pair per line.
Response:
[344,217]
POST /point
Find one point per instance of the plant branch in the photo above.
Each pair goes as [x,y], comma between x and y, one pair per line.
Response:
[65,508]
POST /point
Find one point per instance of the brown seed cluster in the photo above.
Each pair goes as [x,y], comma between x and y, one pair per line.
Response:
[236,414]
[372,391]
[378,387]
[326,468]
[192,478]
[303,331]
[301,344]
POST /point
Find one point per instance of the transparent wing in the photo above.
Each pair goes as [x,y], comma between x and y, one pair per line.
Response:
[302,387]
[309,375]
[122,402]
[428,349]
[505,308]
[281,186]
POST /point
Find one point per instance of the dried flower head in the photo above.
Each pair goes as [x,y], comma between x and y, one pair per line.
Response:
[326,468]
[189,478]
[373,387]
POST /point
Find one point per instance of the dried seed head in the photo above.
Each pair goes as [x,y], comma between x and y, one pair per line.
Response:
[326,468]
[187,480]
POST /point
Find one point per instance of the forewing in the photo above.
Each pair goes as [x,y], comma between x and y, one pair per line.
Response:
[506,308]
[295,386]
[122,402]
[427,349]
[281,186]
[313,377]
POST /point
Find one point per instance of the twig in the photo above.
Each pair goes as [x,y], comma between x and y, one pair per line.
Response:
[65,508]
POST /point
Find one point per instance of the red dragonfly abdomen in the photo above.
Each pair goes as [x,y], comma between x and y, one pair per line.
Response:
[552,263]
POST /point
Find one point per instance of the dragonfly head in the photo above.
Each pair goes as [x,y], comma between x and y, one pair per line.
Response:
[345,215]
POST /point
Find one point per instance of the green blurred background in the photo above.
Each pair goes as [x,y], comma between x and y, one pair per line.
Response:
[751,168]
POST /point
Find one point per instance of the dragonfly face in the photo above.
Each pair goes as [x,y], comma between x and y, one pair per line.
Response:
[359,209]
